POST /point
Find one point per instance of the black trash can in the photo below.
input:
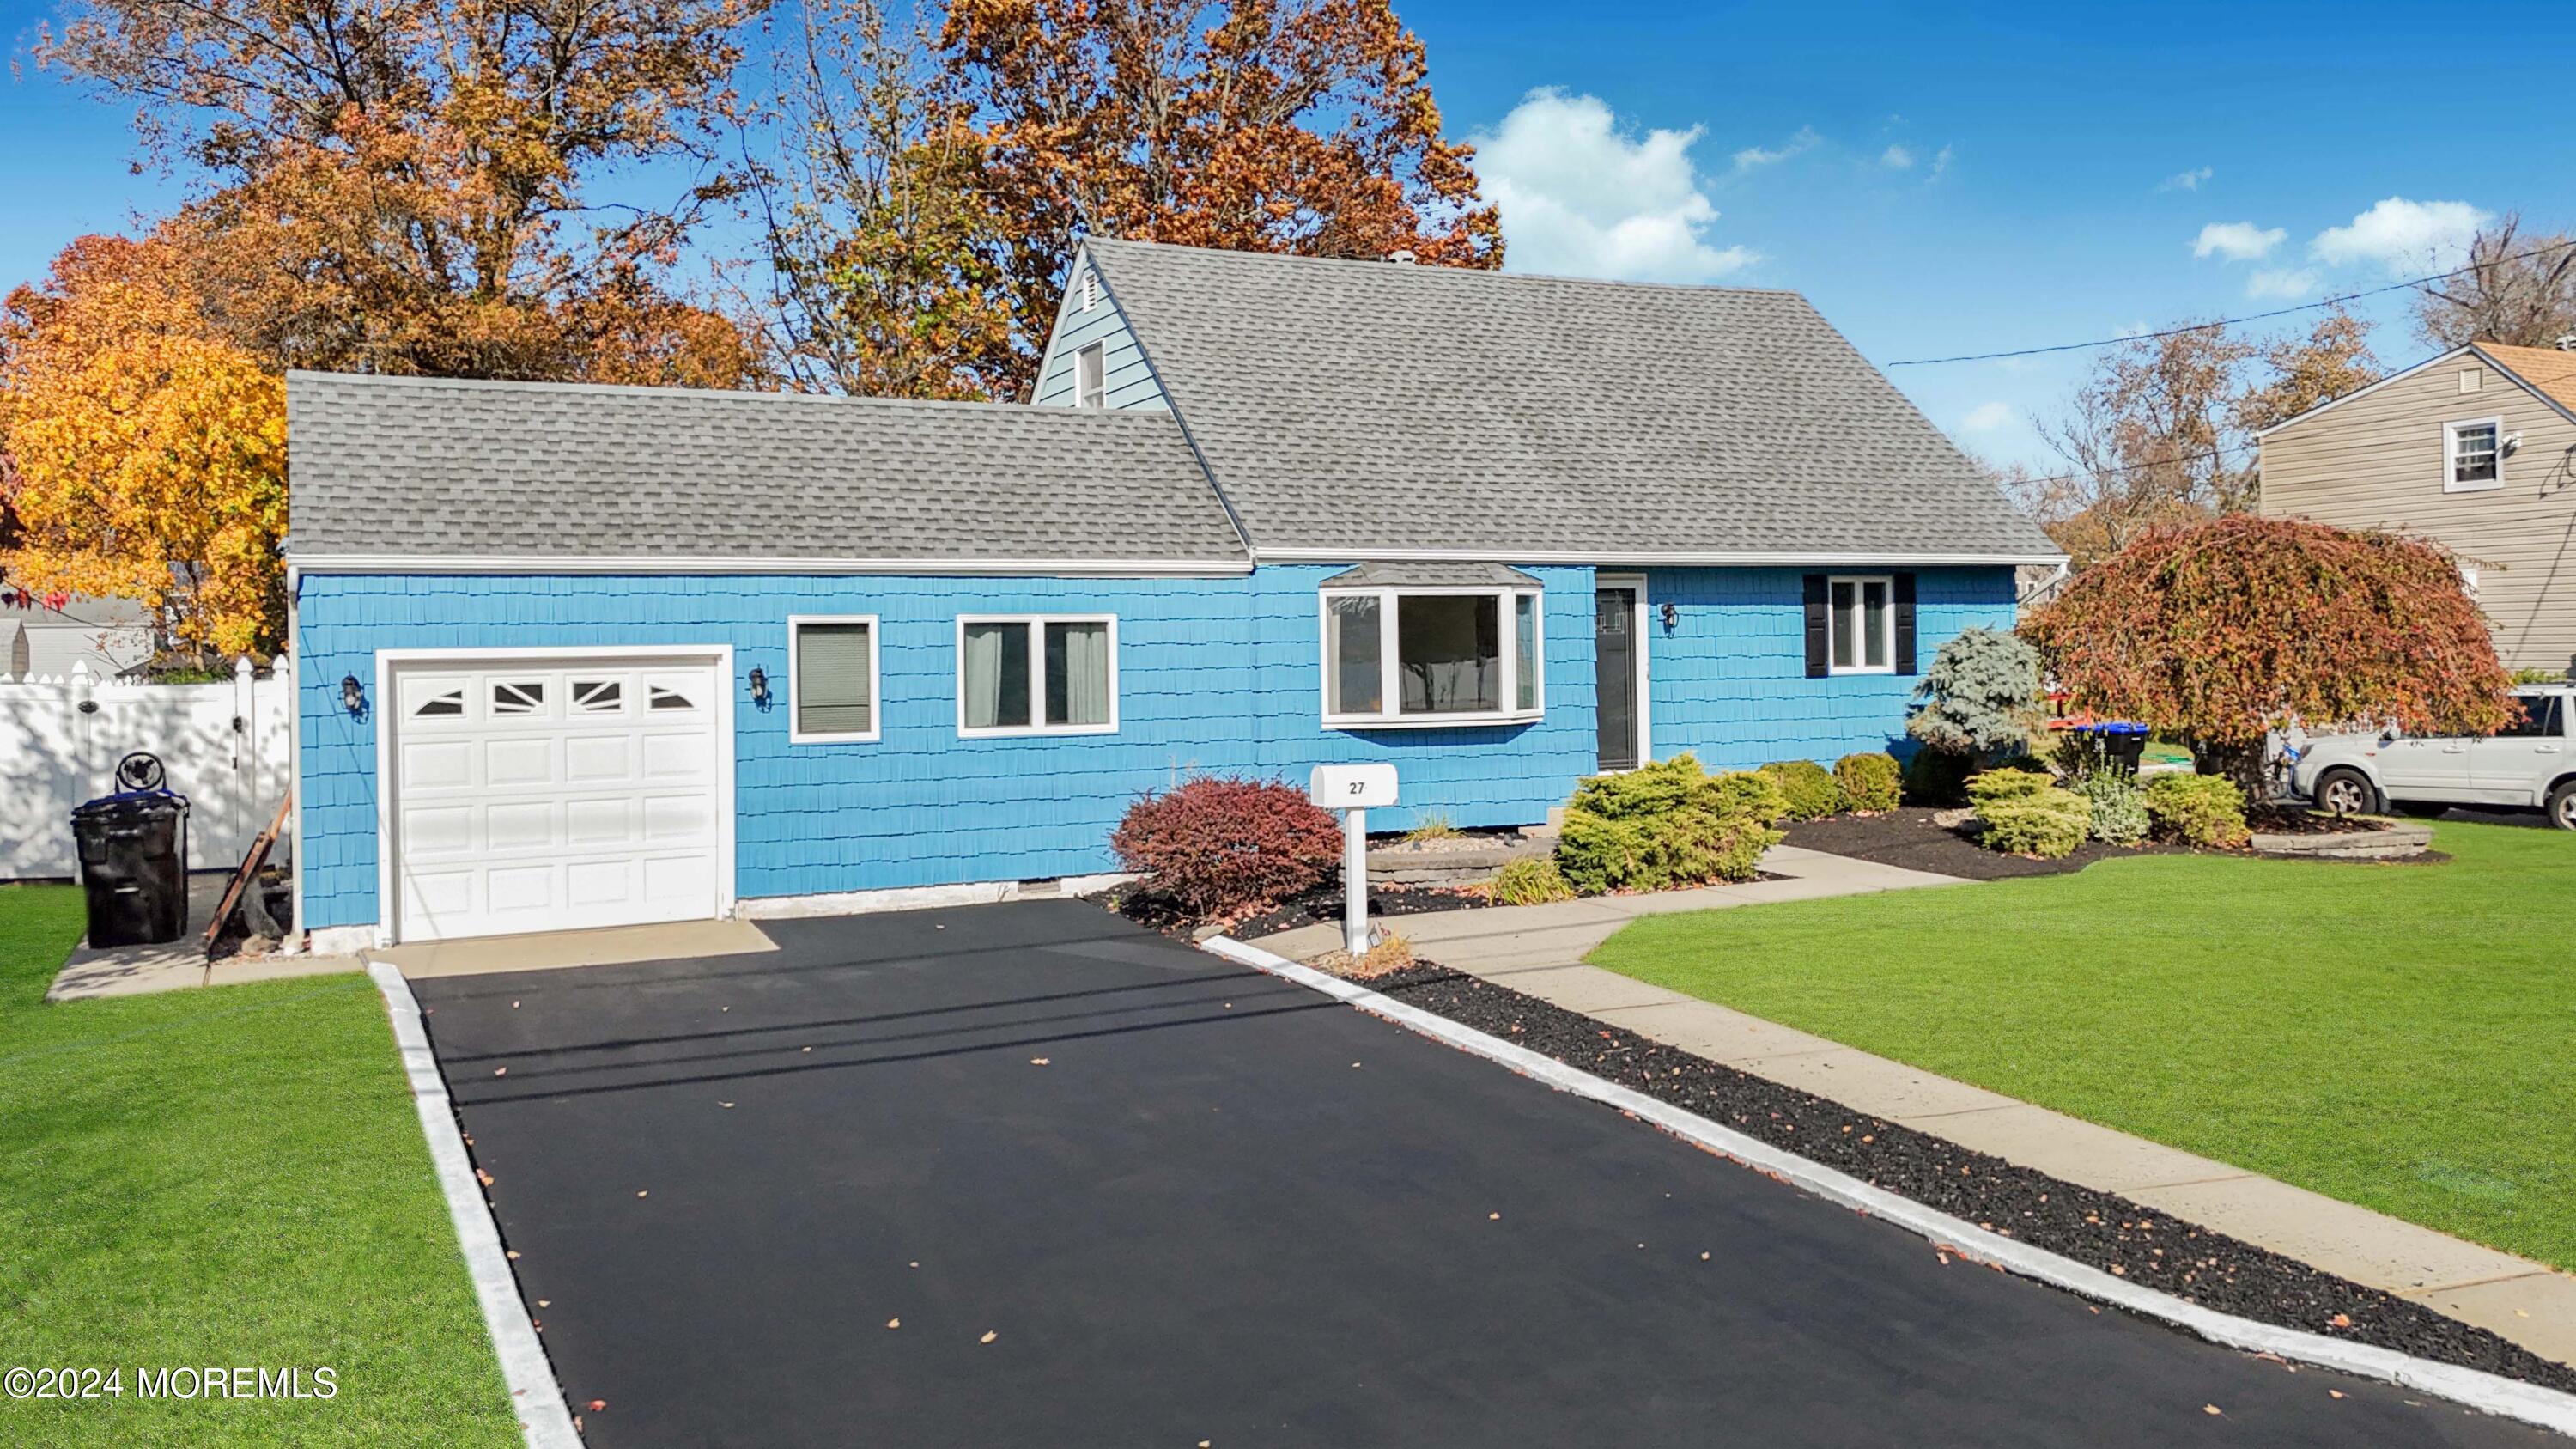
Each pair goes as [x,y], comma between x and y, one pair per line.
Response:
[2120,745]
[134,866]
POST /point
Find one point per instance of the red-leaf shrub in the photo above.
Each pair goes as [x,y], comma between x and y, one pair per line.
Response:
[2220,631]
[1219,847]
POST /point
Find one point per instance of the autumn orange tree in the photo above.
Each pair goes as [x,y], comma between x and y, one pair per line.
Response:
[1301,126]
[403,185]
[2223,630]
[147,459]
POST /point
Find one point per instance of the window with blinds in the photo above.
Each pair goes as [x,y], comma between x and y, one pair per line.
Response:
[832,684]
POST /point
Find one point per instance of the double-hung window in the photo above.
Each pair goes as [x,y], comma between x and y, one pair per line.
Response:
[1432,656]
[2473,455]
[1861,616]
[831,679]
[1037,674]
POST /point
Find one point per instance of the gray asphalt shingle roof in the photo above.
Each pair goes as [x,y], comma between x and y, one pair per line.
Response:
[421,466]
[1370,406]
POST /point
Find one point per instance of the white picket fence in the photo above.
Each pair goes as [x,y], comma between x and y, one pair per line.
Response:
[224,745]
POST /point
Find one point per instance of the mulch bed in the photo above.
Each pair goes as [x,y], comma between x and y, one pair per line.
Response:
[1314,908]
[1908,837]
[2111,1233]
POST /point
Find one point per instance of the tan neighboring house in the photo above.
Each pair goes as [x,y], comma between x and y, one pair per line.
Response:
[2475,450]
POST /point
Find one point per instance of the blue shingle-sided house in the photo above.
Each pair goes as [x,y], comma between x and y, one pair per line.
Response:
[575,655]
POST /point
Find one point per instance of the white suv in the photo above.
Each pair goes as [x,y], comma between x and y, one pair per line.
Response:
[2529,764]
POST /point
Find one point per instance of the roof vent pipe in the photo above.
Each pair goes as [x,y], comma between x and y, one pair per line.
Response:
[2567,343]
[1403,257]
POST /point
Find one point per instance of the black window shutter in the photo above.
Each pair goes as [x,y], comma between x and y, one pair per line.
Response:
[1818,644]
[1905,623]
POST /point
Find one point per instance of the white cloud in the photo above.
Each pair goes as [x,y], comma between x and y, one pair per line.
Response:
[2186,180]
[1940,164]
[2237,241]
[1753,158]
[1581,196]
[1987,417]
[2403,236]
[2291,283]
[1896,158]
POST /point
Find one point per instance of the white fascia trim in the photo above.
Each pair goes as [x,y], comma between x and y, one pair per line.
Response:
[2330,404]
[1633,560]
[359,563]
[2489,1393]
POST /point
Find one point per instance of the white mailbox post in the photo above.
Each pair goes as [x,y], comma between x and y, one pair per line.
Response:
[1352,789]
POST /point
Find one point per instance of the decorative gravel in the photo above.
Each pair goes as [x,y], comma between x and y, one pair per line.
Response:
[2100,1229]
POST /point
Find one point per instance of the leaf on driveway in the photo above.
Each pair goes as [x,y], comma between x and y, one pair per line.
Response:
[1040,1061]
[500,1071]
[596,1405]
[894,1323]
[640,1192]
[2209,1408]
[989,1336]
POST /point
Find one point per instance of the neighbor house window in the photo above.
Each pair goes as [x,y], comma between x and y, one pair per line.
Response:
[1862,620]
[2476,453]
[1030,674]
[1091,376]
[831,680]
[1431,656]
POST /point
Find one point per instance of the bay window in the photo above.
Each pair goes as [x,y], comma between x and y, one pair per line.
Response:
[1431,656]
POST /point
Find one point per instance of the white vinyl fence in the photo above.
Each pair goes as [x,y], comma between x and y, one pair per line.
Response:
[224,746]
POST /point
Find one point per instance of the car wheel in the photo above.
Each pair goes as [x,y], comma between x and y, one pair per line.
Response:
[2562,806]
[2346,792]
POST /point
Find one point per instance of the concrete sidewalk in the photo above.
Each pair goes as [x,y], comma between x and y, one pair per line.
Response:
[1539,950]
[1507,937]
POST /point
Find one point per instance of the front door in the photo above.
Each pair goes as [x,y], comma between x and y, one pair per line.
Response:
[1614,667]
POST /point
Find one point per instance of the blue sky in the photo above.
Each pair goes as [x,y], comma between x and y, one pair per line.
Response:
[1937,179]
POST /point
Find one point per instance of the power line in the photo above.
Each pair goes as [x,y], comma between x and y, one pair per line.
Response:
[2236,321]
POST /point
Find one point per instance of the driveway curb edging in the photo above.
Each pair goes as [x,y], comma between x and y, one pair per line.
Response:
[2488,1393]
[536,1399]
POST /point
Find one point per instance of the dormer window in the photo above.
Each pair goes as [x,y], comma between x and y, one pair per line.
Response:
[2475,455]
[1091,377]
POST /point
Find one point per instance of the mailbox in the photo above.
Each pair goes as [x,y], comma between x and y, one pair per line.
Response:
[1352,787]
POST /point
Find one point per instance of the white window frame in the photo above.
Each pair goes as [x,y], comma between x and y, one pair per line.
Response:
[876,693]
[1860,610]
[2451,456]
[1390,715]
[1037,725]
[1083,397]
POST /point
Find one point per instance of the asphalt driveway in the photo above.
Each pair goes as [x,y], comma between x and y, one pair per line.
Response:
[1117,1191]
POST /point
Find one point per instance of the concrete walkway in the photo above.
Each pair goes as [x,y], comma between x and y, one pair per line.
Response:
[1539,950]
[179,965]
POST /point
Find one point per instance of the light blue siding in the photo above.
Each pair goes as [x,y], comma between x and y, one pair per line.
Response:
[1219,675]
[1729,680]
[1131,381]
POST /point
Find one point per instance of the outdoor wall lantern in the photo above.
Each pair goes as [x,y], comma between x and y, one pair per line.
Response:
[759,687]
[353,697]
[1672,615]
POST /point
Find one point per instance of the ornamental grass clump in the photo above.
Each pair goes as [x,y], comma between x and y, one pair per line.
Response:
[1222,847]
[1867,783]
[1665,825]
[1528,882]
[1807,789]
[2202,810]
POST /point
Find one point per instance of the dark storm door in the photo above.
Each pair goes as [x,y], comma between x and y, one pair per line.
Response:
[1614,655]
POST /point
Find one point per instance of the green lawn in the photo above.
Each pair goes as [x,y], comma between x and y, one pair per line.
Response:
[2400,1036]
[224,1177]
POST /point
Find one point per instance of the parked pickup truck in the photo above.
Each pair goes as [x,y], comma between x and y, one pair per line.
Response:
[2530,765]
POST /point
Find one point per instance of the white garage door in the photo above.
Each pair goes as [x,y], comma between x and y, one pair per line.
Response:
[550,796]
